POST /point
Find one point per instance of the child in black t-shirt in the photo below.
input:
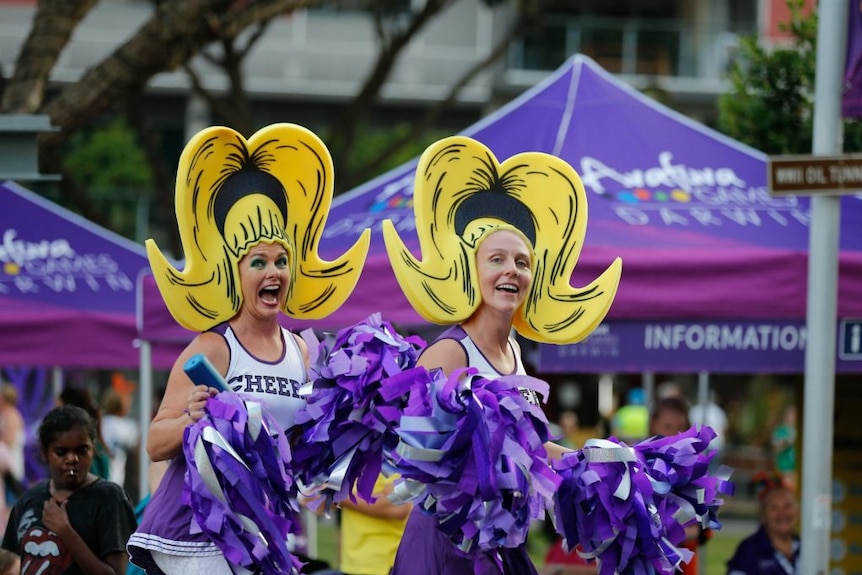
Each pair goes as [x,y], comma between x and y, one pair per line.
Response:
[74,522]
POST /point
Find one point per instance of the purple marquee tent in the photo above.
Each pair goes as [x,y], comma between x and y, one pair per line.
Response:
[67,299]
[714,268]
[67,287]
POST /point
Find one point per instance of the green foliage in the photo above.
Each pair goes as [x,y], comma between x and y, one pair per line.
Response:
[771,105]
[111,168]
[107,161]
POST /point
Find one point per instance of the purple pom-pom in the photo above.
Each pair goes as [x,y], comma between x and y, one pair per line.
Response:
[471,453]
[679,468]
[239,486]
[605,509]
[361,377]
[628,507]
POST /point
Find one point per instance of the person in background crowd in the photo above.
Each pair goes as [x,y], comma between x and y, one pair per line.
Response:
[370,532]
[668,389]
[669,416]
[13,431]
[120,432]
[80,397]
[774,548]
[784,446]
[73,523]
[12,440]
[6,479]
[712,415]
[569,428]
[630,423]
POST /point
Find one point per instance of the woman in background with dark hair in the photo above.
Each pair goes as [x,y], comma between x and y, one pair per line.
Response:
[73,523]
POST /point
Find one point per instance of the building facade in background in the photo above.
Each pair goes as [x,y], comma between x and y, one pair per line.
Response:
[313,61]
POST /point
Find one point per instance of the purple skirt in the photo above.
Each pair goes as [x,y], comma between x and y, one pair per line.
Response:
[425,550]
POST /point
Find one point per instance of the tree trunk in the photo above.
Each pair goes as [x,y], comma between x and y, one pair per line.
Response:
[163,176]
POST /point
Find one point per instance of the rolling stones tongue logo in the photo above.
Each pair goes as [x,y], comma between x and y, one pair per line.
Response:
[43,552]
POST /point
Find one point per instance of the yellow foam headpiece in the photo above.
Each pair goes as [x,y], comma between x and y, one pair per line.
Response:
[462,194]
[233,193]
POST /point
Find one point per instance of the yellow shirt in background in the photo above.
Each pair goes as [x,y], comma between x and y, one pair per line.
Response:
[368,544]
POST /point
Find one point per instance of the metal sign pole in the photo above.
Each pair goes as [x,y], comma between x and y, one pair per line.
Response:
[822,307]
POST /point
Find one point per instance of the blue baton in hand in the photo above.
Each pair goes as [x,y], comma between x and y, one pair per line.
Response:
[201,372]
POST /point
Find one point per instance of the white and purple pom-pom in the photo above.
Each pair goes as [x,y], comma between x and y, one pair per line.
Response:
[628,507]
[471,454]
[238,484]
[360,379]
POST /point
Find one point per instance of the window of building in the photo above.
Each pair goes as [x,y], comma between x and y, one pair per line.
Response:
[642,37]
[620,45]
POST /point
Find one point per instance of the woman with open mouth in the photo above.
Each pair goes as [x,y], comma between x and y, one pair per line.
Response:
[250,213]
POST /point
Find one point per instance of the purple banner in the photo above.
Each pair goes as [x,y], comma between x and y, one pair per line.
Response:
[851,100]
[67,287]
[52,256]
[688,347]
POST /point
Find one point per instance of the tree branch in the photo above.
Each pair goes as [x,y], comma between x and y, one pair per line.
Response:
[253,39]
[53,24]
[215,105]
[343,133]
[417,129]
[176,31]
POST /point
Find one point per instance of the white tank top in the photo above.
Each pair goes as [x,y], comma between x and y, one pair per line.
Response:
[275,384]
[475,358]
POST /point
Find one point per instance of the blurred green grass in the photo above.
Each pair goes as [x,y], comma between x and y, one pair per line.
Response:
[327,541]
[720,548]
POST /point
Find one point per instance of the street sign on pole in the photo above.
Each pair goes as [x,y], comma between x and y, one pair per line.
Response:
[810,174]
